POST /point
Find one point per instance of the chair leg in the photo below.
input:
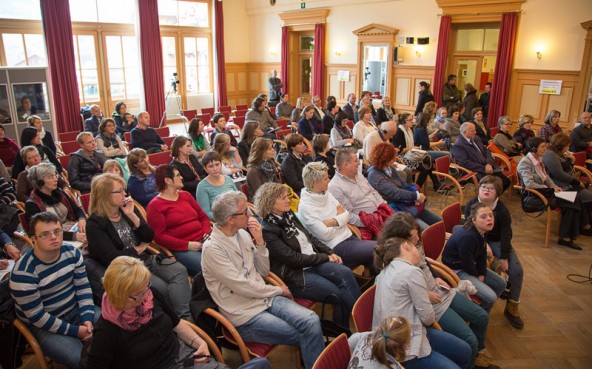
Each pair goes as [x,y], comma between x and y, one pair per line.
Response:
[548,231]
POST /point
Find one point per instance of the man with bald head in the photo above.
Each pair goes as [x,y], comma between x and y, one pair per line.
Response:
[386,131]
[146,137]
[581,136]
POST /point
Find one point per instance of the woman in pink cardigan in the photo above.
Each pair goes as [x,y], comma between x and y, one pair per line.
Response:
[179,223]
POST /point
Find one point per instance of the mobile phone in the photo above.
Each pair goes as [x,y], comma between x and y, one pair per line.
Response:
[444,287]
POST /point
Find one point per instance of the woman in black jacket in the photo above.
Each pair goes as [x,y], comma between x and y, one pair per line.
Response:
[30,136]
[115,228]
[309,268]
[386,112]
[188,166]
[294,162]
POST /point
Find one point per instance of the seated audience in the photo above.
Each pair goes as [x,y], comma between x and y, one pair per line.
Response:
[323,153]
[350,107]
[178,222]
[551,126]
[310,269]
[114,167]
[364,126]
[452,123]
[386,112]
[483,131]
[426,141]
[499,240]
[115,228]
[214,184]
[283,110]
[219,121]
[581,135]
[60,315]
[146,137]
[188,165]
[441,115]
[319,112]
[504,140]
[327,220]
[8,148]
[23,186]
[341,134]
[92,124]
[196,132]
[386,132]
[8,250]
[466,254]
[452,310]
[135,314]
[401,290]
[108,142]
[30,136]
[261,115]
[124,121]
[141,183]
[85,163]
[382,348]
[301,103]
[232,165]
[533,174]
[47,196]
[262,165]
[400,195]
[471,154]
[9,220]
[250,133]
[308,126]
[524,133]
[46,136]
[365,102]
[329,118]
[234,263]
[294,162]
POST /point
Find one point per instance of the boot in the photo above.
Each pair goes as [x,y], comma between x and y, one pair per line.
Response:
[483,361]
[513,314]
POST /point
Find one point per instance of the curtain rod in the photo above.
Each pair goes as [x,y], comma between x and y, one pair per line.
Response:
[482,13]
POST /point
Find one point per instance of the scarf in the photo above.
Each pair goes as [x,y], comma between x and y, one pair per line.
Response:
[109,140]
[285,222]
[344,131]
[389,112]
[188,163]
[268,168]
[126,320]
[539,167]
[408,136]
[199,142]
[42,133]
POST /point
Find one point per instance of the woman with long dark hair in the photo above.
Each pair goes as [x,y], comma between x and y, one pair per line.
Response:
[198,138]
[30,136]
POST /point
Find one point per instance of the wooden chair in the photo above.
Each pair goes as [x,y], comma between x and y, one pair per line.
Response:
[448,182]
[205,118]
[239,113]
[70,146]
[362,311]
[309,150]
[334,356]
[163,131]
[272,111]
[282,133]
[282,123]
[85,202]
[493,131]
[239,121]
[64,161]
[225,109]
[242,107]
[449,276]
[214,350]
[159,158]
[33,343]
[580,170]
[451,215]
[127,137]
[69,136]
[189,114]
[169,140]
[209,111]
[434,238]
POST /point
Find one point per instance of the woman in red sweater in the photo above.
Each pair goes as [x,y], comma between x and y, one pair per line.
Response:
[178,222]
[8,148]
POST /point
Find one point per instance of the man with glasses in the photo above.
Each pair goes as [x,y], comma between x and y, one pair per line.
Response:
[52,294]
[235,261]
[85,163]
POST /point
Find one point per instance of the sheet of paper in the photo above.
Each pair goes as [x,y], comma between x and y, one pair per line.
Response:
[4,272]
[567,195]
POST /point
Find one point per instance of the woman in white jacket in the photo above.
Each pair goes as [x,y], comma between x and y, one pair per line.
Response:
[327,219]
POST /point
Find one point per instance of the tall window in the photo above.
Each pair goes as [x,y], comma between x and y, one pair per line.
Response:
[169,60]
[22,49]
[86,68]
[197,61]
[124,74]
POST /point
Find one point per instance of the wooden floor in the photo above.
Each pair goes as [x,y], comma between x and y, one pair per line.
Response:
[557,312]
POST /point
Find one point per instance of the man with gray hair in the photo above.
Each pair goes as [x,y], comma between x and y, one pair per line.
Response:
[85,163]
[92,124]
[146,137]
[581,135]
[234,267]
[383,134]
[469,152]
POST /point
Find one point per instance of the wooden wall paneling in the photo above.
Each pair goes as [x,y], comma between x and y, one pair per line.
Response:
[340,89]
[405,85]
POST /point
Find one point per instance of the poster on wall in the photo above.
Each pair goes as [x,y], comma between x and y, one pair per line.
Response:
[31,99]
[4,108]
[343,76]
[550,87]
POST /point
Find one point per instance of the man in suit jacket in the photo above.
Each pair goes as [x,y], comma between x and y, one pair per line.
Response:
[350,108]
[92,124]
[469,152]
[275,87]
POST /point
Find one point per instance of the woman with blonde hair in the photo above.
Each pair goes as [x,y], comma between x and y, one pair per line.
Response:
[386,112]
[382,348]
[364,126]
[141,183]
[524,133]
[114,167]
[231,161]
[262,165]
[116,228]
[301,103]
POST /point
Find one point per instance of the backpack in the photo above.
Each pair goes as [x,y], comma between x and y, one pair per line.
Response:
[85,112]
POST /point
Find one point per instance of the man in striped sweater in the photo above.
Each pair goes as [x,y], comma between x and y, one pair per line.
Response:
[52,294]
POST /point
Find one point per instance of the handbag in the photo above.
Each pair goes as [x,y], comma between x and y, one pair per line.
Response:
[416,158]
[531,203]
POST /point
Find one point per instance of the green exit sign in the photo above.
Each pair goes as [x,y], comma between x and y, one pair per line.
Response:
[302,5]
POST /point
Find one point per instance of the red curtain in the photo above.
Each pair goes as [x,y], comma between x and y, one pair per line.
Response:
[318,72]
[221,98]
[441,58]
[151,53]
[62,66]
[503,68]
[285,73]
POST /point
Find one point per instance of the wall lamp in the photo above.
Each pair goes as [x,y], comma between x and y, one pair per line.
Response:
[539,55]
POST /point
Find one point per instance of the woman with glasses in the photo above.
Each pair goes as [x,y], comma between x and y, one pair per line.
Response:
[214,184]
[178,222]
[115,228]
[188,165]
[47,196]
[551,126]
[504,140]
[499,240]
[31,158]
[466,254]
[310,268]
[139,329]
[452,123]
[108,141]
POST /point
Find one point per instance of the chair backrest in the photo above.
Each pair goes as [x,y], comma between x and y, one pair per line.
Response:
[363,310]
[240,113]
[272,110]
[205,118]
[334,356]
[85,201]
[163,131]
[169,140]
[208,111]
[127,137]
[242,107]
[282,123]
[580,158]
[64,160]
[69,136]
[239,121]
[452,216]
[24,222]
[350,124]
[70,146]
[224,109]
[493,131]
[160,158]
[443,164]
[282,133]
[189,114]
[434,238]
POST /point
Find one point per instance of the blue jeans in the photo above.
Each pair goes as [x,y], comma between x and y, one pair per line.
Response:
[487,291]
[426,218]
[354,252]
[287,323]
[170,278]
[331,283]
[438,154]
[455,318]
[515,271]
[448,352]
[62,349]
[190,259]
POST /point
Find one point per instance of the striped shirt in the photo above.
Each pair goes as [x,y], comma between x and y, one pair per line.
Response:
[45,293]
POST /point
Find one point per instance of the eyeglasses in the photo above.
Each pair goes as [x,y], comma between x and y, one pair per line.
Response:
[141,294]
[487,188]
[121,192]
[47,235]
[246,212]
